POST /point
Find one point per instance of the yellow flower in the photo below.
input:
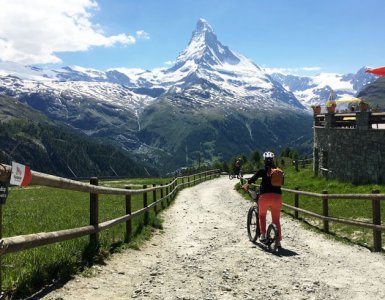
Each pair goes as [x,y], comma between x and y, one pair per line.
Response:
[331,103]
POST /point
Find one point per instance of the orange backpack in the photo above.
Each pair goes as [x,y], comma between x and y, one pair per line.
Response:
[277,177]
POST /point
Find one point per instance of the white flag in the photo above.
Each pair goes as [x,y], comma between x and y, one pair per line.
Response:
[20,175]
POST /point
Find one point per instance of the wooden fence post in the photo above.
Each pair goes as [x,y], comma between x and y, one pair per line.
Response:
[296,202]
[161,195]
[128,212]
[146,213]
[188,180]
[376,207]
[94,213]
[325,211]
[168,190]
[154,199]
[173,189]
[182,182]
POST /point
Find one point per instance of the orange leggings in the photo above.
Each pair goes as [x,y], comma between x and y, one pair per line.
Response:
[274,201]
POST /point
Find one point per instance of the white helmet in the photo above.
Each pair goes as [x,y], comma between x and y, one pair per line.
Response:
[267,155]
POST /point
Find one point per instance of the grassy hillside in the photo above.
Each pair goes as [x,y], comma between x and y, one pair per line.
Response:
[28,137]
[190,134]
[11,109]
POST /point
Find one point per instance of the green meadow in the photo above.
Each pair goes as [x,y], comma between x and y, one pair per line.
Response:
[41,209]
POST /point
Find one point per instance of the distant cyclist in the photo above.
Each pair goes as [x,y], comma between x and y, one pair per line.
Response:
[238,165]
[270,196]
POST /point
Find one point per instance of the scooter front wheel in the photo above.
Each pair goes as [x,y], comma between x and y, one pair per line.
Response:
[253,224]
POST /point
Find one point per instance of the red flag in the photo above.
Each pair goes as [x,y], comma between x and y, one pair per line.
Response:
[27,176]
[20,174]
[377,71]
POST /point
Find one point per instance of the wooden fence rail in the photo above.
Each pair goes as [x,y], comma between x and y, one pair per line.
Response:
[375,197]
[23,242]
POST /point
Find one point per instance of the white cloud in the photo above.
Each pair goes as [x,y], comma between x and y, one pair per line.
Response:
[141,34]
[311,68]
[169,62]
[31,32]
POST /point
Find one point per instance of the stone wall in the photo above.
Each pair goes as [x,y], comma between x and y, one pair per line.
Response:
[355,155]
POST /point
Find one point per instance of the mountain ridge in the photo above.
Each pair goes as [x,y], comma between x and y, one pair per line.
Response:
[316,89]
[212,104]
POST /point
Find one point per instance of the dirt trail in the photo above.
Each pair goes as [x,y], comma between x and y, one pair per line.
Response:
[204,253]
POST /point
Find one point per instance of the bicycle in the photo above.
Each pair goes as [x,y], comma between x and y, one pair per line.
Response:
[253,229]
[231,176]
[239,175]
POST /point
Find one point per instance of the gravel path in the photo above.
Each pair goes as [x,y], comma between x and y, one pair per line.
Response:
[204,253]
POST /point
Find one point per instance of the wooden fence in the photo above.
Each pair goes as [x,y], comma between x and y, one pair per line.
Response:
[167,192]
[375,197]
[302,162]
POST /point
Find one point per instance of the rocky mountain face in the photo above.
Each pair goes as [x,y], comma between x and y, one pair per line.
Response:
[316,89]
[375,93]
[212,104]
[98,109]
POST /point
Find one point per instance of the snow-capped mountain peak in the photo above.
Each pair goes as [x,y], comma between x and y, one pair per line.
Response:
[205,49]
[8,68]
[203,25]
[316,89]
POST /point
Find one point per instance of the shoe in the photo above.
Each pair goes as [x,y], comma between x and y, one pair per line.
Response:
[279,246]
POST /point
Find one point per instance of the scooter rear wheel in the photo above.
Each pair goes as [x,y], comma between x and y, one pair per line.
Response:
[272,237]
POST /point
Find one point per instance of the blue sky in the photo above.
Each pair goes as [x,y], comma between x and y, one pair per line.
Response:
[323,36]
